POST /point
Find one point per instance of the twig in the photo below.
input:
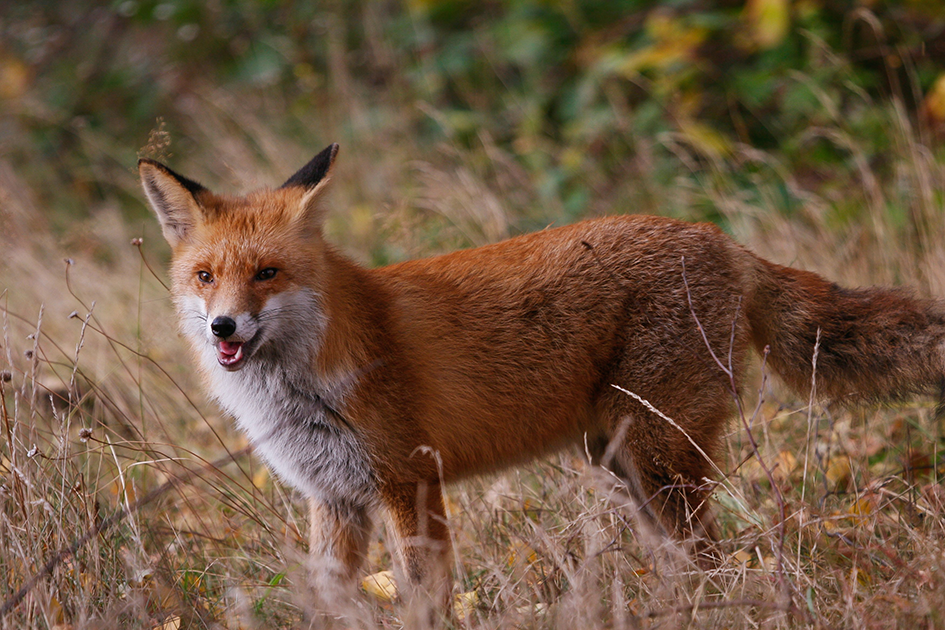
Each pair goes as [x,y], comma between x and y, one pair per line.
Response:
[674,424]
[722,476]
[137,243]
[731,603]
[730,372]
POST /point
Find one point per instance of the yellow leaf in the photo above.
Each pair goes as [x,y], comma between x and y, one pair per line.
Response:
[861,577]
[464,604]
[784,464]
[861,509]
[934,105]
[768,21]
[521,552]
[770,563]
[127,489]
[14,78]
[452,507]
[705,139]
[381,585]
[830,523]
[171,623]
[260,477]
[674,44]
[839,471]
[742,556]
[55,610]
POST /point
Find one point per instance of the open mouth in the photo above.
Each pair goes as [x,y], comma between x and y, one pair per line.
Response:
[230,354]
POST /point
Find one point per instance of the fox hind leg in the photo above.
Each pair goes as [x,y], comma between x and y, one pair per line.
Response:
[665,474]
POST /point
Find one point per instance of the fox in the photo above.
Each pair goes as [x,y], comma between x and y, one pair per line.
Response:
[370,389]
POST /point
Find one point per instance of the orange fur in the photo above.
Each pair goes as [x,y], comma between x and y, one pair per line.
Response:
[457,365]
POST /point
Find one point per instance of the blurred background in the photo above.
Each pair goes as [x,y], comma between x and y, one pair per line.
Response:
[810,130]
[535,111]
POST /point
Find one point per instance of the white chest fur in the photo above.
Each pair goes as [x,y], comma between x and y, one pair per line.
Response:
[303,441]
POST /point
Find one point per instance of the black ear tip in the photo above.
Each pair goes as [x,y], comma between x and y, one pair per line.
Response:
[158,165]
[315,171]
[193,187]
[328,154]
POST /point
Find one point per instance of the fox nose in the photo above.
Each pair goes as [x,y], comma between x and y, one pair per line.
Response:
[223,326]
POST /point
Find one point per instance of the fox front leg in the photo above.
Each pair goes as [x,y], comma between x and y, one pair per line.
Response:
[337,547]
[417,520]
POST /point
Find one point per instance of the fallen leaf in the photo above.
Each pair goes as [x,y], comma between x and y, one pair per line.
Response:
[381,585]
[55,610]
[770,563]
[839,471]
[464,604]
[171,623]
[521,553]
[742,556]
[862,508]
[784,465]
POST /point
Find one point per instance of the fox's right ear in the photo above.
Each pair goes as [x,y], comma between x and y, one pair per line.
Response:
[173,198]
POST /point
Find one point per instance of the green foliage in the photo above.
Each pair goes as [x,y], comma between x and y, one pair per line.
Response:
[573,90]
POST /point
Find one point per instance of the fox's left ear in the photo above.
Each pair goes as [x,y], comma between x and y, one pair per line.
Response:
[313,178]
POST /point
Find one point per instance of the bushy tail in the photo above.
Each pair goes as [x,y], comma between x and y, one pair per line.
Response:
[874,343]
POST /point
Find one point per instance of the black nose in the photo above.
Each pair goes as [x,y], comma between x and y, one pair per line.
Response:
[223,326]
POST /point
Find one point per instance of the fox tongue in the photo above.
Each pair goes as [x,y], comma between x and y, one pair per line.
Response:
[230,348]
[230,352]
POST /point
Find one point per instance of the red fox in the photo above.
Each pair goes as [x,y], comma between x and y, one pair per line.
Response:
[367,388]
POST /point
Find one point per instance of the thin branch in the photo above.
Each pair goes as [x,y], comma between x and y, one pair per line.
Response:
[732,603]
[730,372]
[137,243]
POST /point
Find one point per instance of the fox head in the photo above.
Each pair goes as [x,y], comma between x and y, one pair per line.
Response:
[245,270]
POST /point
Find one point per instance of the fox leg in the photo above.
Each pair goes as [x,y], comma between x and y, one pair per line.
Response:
[665,474]
[338,544]
[678,492]
[417,519]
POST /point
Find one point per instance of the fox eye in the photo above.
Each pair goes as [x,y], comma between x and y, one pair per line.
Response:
[266,274]
[205,277]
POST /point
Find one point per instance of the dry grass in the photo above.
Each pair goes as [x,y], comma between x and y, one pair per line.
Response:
[834,520]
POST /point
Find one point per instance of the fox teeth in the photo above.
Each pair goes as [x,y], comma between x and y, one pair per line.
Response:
[228,358]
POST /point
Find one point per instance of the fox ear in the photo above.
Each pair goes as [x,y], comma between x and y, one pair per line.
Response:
[173,198]
[313,178]
[316,172]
